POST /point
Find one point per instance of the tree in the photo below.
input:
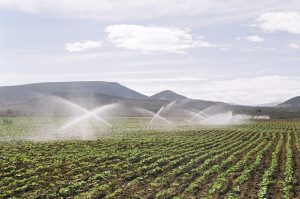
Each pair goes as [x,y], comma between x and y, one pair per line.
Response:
[258,111]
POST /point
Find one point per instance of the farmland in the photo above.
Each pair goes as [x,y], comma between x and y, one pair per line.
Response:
[260,159]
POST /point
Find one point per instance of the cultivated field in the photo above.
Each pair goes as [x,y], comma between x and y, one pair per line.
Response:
[260,159]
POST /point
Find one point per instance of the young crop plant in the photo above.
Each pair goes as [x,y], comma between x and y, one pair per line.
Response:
[288,173]
[269,173]
[222,180]
[215,162]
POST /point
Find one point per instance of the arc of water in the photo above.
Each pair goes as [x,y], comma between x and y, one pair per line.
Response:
[97,110]
[202,112]
[83,110]
[199,114]
[160,110]
[152,114]
[88,114]
[170,105]
[157,115]
[221,118]
[142,110]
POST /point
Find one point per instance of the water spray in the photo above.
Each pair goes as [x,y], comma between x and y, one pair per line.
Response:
[87,115]
[157,115]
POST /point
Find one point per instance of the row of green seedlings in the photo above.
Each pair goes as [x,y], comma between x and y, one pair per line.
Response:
[288,172]
[163,165]
[248,171]
[143,161]
[20,176]
[182,174]
[223,179]
[214,155]
[102,183]
[39,180]
[268,176]
[97,190]
[296,137]
[32,159]
[158,167]
[24,173]
[28,178]
[84,167]
[201,181]
[138,168]
[178,164]
[224,163]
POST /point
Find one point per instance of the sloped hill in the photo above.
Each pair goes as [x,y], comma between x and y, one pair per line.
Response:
[9,94]
[168,95]
[68,103]
[293,102]
[54,99]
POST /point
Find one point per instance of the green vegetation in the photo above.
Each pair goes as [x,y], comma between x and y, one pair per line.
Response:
[255,160]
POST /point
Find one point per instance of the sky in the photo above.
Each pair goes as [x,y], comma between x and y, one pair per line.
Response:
[244,52]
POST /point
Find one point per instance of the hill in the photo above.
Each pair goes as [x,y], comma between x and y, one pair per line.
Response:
[293,103]
[52,99]
[168,95]
[48,98]
[9,94]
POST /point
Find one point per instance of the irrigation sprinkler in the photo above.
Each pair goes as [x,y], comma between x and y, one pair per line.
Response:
[158,116]
[87,115]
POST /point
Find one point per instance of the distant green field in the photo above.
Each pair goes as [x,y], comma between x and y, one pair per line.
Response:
[260,159]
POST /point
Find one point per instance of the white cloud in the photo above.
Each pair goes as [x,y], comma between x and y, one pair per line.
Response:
[255,38]
[246,91]
[279,21]
[164,80]
[150,38]
[256,90]
[257,49]
[225,49]
[83,45]
[200,12]
[294,45]
[28,6]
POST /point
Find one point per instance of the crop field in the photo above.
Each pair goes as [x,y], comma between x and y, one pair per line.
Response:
[260,159]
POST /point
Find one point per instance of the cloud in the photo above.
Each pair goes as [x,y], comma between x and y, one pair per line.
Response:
[155,39]
[252,38]
[279,21]
[256,90]
[164,80]
[82,45]
[294,45]
[225,49]
[247,91]
[204,12]
[255,38]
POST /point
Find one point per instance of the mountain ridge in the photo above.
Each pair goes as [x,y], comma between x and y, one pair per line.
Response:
[168,95]
[29,91]
[35,99]
[291,104]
